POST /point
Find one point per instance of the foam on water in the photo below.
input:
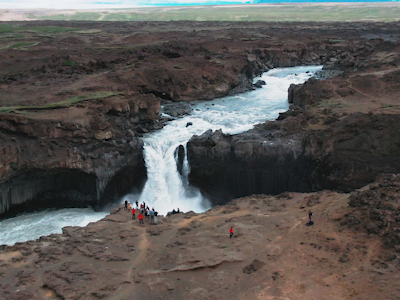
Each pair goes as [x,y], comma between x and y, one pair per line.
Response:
[165,188]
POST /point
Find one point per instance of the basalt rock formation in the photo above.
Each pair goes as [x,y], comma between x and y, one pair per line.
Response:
[75,97]
[282,156]
[341,133]
[42,159]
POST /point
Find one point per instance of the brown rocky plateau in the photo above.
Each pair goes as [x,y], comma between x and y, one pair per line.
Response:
[76,97]
[349,253]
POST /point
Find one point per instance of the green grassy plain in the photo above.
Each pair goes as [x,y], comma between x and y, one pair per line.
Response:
[280,13]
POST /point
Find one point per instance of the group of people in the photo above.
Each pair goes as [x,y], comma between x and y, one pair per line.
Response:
[152,215]
[144,212]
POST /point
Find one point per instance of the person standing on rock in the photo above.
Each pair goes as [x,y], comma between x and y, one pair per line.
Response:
[151,217]
[141,219]
[155,217]
[231,232]
[133,213]
[137,204]
[310,222]
[126,204]
[129,206]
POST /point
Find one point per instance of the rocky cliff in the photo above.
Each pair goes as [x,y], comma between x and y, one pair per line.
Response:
[340,134]
[283,156]
[75,97]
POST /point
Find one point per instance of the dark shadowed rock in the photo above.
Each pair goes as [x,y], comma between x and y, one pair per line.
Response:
[253,267]
[259,84]
[180,157]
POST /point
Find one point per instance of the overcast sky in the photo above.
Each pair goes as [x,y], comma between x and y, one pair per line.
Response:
[84,4]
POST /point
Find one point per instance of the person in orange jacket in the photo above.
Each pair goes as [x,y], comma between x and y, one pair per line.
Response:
[133,213]
[231,232]
[141,219]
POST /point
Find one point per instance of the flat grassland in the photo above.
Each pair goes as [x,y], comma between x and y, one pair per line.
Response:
[385,12]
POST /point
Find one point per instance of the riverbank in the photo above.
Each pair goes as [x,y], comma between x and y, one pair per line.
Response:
[347,253]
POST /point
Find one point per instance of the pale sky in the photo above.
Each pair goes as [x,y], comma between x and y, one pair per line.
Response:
[90,4]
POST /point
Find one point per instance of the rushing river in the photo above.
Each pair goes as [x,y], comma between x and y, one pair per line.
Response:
[31,226]
[165,188]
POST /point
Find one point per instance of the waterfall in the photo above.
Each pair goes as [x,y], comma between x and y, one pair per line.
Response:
[166,188]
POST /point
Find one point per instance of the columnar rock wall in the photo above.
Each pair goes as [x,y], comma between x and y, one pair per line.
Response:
[282,156]
[81,100]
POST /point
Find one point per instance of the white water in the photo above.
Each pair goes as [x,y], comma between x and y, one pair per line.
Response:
[165,188]
[34,225]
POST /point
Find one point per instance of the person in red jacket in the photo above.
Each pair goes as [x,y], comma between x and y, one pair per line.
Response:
[141,219]
[133,213]
[231,232]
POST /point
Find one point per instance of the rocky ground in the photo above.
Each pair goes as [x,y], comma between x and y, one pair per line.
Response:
[272,255]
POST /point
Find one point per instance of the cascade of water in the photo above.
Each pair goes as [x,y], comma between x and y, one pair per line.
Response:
[166,188]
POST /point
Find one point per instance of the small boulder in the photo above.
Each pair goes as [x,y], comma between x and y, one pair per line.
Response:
[259,83]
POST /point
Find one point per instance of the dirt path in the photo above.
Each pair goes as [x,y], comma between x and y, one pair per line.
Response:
[141,251]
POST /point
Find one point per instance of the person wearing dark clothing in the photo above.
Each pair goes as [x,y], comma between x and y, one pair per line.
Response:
[231,232]
[133,213]
[141,219]
[126,204]
[137,204]
[310,221]
[153,209]
[173,211]
[177,211]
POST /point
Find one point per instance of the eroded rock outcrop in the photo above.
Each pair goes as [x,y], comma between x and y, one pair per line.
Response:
[78,157]
[377,210]
[345,153]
